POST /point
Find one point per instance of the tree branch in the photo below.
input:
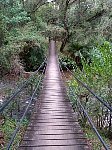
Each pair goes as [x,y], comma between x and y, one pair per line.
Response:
[97,15]
[72,2]
[38,5]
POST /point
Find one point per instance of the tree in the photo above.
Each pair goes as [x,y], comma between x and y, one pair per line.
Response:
[1,31]
[33,5]
[13,13]
[2,24]
[84,20]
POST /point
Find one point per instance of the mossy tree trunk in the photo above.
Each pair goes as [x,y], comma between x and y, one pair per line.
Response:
[1,32]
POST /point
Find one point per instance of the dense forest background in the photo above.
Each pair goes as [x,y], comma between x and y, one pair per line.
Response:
[83,31]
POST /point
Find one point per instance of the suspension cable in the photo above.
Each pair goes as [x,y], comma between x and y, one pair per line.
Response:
[22,118]
[19,89]
[87,116]
[84,85]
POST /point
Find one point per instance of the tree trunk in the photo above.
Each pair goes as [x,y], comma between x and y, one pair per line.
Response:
[64,20]
[11,2]
[23,3]
[1,33]
[63,44]
[1,42]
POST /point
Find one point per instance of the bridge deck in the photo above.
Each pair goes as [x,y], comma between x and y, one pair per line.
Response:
[53,124]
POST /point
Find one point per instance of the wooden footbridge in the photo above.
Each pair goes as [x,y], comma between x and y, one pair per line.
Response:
[53,124]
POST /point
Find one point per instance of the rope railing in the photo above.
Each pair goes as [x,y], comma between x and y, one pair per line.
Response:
[25,112]
[86,86]
[87,116]
[19,89]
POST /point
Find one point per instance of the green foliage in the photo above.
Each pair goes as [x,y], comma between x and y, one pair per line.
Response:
[27,33]
[32,56]
[97,75]
[15,15]
[86,21]
[6,55]
[48,13]
[40,24]
[16,39]
[76,49]
[66,61]
[2,29]
[55,32]
[8,128]
[5,59]
[101,65]
[93,141]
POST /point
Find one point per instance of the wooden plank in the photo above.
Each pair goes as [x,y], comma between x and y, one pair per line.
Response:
[30,135]
[54,132]
[37,142]
[73,147]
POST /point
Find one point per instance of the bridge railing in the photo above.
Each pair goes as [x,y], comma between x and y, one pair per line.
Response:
[80,106]
[20,104]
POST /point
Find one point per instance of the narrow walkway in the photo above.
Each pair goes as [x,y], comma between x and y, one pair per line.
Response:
[53,125]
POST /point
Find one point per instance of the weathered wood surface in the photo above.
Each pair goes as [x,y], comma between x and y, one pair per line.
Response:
[53,124]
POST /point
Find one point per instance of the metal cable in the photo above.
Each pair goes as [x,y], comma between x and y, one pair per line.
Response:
[19,124]
[89,119]
[19,89]
[84,85]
